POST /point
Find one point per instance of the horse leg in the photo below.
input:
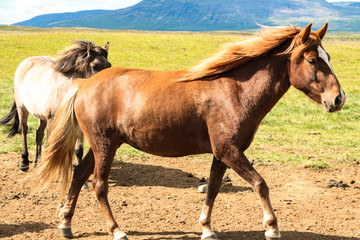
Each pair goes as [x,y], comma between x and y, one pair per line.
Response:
[50,121]
[23,118]
[216,175]
[79,150]
[81,173]
[241,165]
[39,138]
[103,161]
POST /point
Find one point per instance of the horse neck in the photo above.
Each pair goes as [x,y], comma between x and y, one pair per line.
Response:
[262,83]
[79,75]
[74,75]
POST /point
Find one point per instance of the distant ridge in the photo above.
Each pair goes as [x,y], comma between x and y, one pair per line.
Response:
[209,15]
[55,18]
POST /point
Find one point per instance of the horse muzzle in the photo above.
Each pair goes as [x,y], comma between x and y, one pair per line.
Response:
[335,104]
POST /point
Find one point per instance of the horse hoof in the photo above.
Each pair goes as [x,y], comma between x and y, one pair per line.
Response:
[272,238]
[272,234]
[85,187]
[66,232]
[24,167]
[120,236]
[212,237]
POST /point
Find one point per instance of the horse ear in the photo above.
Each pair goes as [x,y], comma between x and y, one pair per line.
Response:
[306,33]
[89,48]
[321,32]
[107,47]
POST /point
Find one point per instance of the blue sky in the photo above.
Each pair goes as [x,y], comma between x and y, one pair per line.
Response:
[12,11]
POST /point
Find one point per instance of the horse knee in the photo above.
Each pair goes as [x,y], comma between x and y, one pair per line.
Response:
[100,188]
[23,129]
[261,187]
[40,135]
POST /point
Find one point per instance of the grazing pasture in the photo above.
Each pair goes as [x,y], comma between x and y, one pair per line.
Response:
[297,131]
[296,134]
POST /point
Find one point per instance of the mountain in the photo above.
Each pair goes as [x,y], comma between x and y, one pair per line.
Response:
[56,18]
[209,15]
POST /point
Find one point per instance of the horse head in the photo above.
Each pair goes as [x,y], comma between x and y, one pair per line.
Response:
[83,59]
[310,70]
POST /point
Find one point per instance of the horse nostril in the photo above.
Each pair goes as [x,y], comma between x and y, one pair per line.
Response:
[338,101]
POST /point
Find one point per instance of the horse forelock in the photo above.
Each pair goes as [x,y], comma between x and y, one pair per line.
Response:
[236,54]
[296,49]
[75,59]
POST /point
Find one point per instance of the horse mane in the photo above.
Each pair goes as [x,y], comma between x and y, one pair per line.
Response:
[74,59]
[236,54]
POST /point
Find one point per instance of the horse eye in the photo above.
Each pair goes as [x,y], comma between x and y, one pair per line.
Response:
[97,68]
[312,61]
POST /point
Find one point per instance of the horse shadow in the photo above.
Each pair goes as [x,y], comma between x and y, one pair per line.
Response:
[240,235]
[7,230]
[131,174]
[291,235]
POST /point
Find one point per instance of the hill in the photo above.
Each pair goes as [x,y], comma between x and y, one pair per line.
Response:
[208,15]
[56,18]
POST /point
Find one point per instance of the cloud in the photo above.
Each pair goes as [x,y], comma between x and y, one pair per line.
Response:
[21,10]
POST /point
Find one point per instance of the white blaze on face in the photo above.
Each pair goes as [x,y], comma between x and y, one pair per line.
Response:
[323,55]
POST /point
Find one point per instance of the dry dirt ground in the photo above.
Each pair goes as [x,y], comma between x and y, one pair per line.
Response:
[156,198]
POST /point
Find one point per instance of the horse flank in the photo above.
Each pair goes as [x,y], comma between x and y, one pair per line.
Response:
[236,54]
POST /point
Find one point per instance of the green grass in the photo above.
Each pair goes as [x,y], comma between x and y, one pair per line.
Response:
[297,131]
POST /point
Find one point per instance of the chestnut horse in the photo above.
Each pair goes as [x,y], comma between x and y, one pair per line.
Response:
[40,83]
[215,107]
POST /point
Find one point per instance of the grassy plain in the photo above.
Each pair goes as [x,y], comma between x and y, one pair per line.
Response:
[297,131]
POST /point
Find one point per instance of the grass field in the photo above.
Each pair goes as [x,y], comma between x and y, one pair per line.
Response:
[297,131]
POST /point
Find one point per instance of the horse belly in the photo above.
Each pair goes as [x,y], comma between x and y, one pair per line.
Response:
[169,141]
[34,100]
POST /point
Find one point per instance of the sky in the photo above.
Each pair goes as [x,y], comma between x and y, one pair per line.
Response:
[13,11]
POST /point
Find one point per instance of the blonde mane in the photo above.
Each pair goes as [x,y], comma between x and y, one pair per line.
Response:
[234,55]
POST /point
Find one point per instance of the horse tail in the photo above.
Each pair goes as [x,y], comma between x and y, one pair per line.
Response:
[56,162]
[13,114]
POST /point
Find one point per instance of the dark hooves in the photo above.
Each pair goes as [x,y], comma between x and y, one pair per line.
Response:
[85,187]
[212,237]
[66,232]
[24,167]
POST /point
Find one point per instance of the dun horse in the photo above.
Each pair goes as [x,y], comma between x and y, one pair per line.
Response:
[215,107]
[41,82]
